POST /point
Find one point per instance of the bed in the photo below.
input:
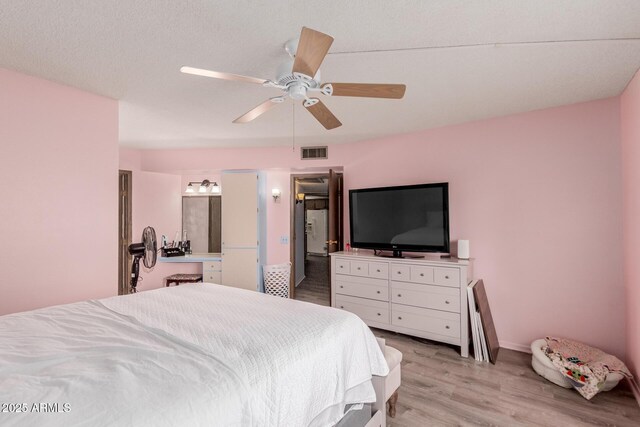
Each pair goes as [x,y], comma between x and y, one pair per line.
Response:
[199,354]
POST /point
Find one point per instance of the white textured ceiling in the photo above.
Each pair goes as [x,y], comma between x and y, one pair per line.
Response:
[132,51]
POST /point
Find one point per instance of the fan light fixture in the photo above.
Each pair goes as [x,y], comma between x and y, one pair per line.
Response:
[299,79]
[203,187]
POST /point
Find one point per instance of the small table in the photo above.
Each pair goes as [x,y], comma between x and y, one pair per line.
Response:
[182,278]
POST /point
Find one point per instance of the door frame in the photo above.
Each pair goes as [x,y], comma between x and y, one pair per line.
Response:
[292,231]
[124,229]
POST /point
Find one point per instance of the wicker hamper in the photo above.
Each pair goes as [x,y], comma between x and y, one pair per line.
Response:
[276,279]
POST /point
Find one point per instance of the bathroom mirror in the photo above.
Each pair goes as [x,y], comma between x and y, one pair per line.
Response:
[201,221]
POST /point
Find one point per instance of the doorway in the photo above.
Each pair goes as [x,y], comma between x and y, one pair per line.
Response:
[124,230]
[316,232]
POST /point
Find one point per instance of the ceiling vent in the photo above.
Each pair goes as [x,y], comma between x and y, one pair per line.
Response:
[313,153]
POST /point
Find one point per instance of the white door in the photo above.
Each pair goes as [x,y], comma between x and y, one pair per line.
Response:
[299,242]
[240,230]
[240,268]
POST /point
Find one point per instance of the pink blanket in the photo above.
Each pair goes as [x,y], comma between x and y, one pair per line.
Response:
[586,367]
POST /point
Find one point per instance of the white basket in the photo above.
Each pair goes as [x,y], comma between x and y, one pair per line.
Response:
[276,279]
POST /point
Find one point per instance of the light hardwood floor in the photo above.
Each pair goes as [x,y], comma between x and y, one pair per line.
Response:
[315,286]
[441,388]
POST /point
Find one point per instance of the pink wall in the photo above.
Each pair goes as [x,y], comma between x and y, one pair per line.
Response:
[156,201]
[537,194]
[58,186]
[130,159]
[278,213]
[630,130]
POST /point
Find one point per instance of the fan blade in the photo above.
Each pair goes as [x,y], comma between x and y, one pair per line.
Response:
[259,110]
[321,113]
[312,48]
[367,90]
[223,76]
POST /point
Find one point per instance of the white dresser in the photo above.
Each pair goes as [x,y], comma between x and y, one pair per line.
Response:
[423,297]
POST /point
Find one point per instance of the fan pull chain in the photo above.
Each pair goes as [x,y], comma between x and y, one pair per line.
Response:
[293,127]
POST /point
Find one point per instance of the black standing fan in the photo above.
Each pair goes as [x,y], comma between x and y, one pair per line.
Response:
[147,250]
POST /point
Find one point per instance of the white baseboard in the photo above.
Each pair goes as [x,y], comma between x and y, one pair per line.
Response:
[517,347]
[635,388]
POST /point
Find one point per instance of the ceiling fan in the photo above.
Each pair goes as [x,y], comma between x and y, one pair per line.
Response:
[299,77]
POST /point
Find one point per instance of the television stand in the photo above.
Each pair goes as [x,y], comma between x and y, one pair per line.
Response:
[426,298]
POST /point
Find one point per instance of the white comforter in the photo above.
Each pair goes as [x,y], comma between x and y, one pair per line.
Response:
[189,355]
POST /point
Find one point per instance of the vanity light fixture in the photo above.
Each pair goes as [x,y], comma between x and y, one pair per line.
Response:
[276,194]
[203,187]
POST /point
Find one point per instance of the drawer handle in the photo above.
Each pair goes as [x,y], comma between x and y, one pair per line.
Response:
[341,286]
[379,314]
[399,318]
[378,270]
[446,277]
[447,327]
[399,295]
[342,306]
[446,302]
[342,266]
[378,291]
[421,274]
[399,272]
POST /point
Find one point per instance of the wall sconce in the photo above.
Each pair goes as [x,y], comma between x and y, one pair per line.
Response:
[300,198]
[203,187]
[276,194]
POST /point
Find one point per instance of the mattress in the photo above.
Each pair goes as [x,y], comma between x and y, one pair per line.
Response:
[190,355]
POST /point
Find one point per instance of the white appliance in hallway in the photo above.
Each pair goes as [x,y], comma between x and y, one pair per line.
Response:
[317,232]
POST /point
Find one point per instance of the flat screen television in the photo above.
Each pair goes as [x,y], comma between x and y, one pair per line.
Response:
[412,218]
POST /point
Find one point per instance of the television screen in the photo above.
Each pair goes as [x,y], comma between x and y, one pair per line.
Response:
[409,218]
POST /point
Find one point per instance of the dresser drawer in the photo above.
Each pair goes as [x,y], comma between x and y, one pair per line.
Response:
[412,273]
[342,266]
[420,274]
[212,271]
[447,276]
[363,287]
[426,320]
[400,272]
[367,310]
[212,266]
[379,270]
[359,268]
[426,296]
[212,276]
